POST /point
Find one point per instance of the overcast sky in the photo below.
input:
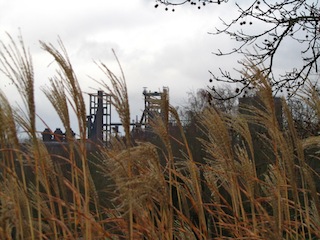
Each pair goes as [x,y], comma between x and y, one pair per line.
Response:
[156,48]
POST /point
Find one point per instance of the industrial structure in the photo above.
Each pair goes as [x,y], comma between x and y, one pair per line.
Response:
[100,124]
[99,121]
[99,118]
[153,102]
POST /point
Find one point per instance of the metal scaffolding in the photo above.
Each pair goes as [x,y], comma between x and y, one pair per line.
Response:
[153,105]
[99,121]
[99,118]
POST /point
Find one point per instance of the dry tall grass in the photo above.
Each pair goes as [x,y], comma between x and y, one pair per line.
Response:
[45,195]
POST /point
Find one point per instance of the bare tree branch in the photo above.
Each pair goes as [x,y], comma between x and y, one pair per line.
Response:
[279,23]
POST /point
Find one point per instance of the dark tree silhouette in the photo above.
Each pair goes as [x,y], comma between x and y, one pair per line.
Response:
[277,25]
[203,98]
[305,118]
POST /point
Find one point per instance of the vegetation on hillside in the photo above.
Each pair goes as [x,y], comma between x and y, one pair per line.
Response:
[137,190]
